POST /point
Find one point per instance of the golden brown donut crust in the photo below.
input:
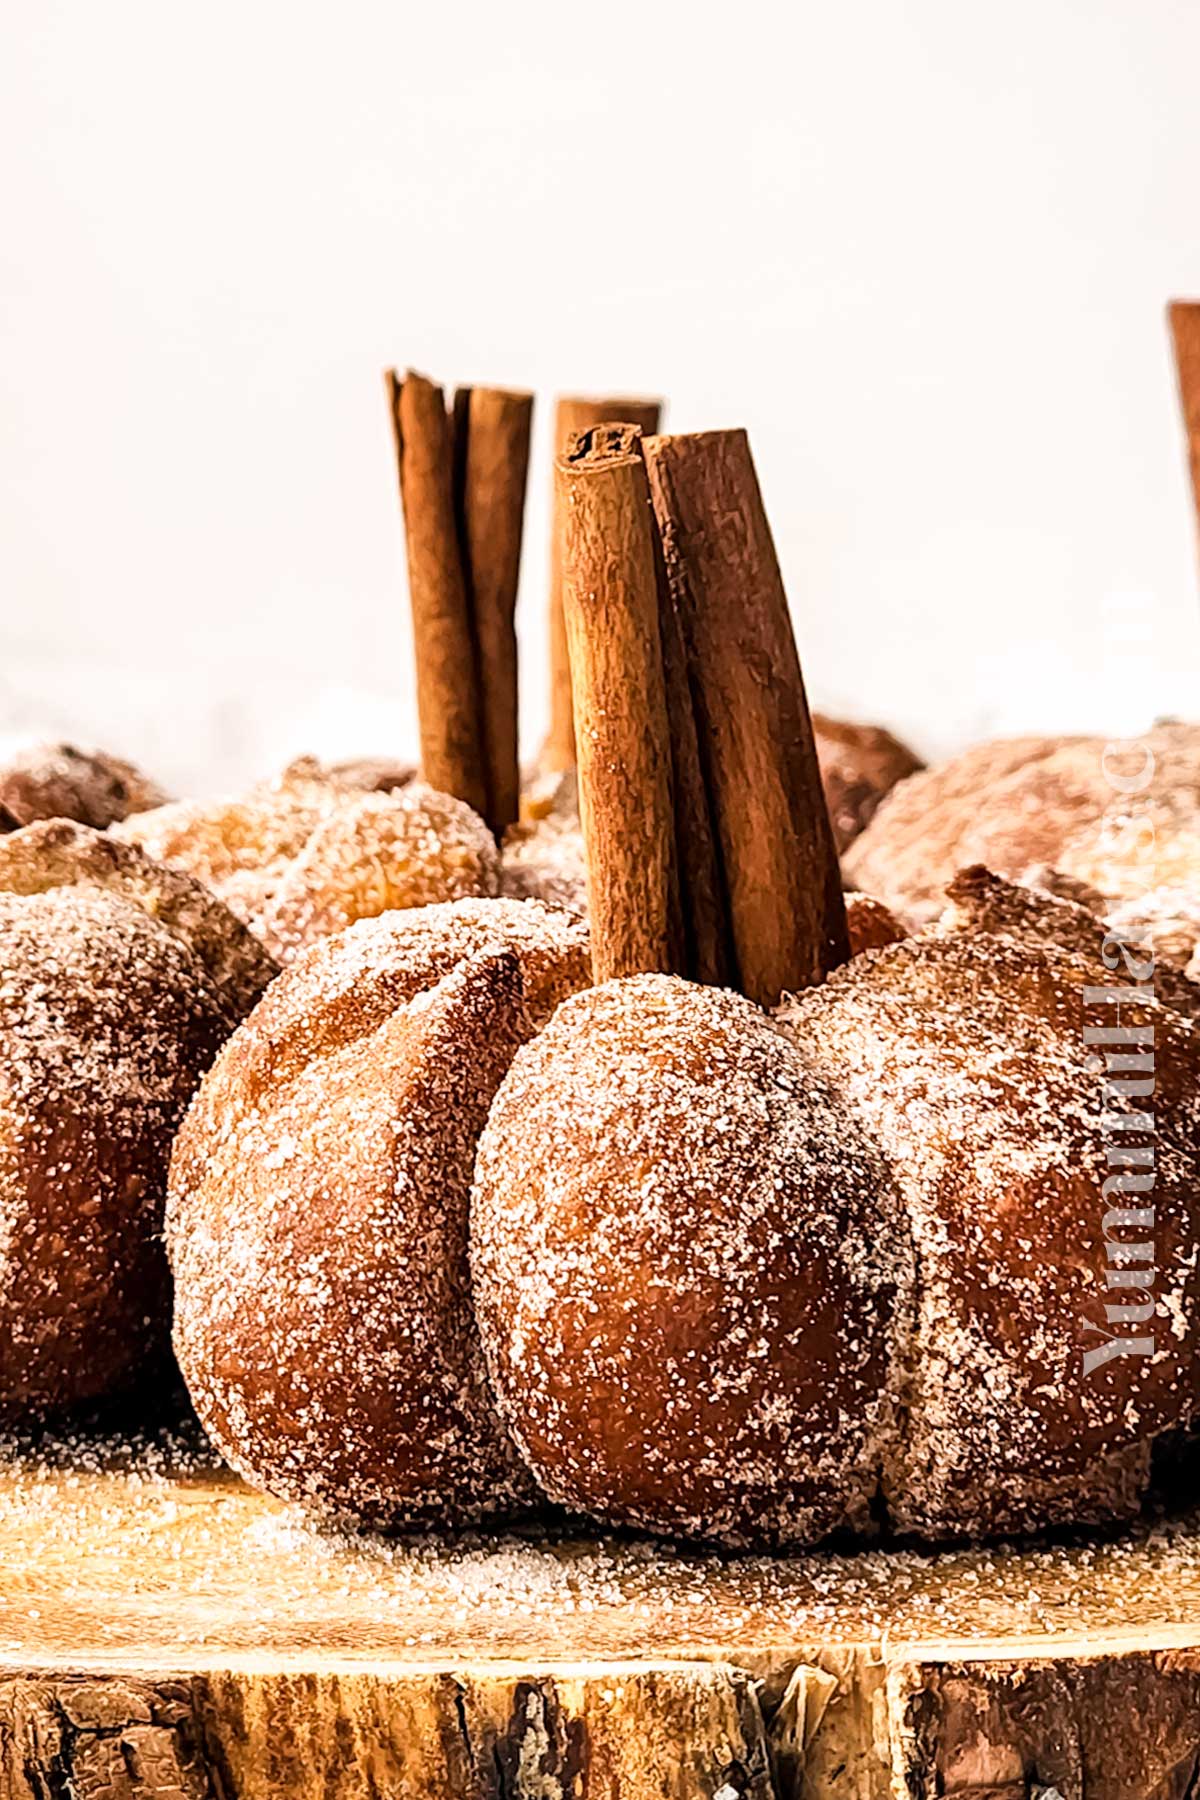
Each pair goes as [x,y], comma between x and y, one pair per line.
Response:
[1025,801]
[685,1266]
[309,853]
[964,1058]
[860,765]
[118,983]
[318,1214]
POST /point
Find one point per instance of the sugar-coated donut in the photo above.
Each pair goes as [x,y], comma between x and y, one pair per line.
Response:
[1120,818]
[860,765]
[317,1222]
[963,1057]
[57,781]
[980,901]
[750,1287]
[686,1261]
[374,774]
[311,852]
[870,925]
[119,981]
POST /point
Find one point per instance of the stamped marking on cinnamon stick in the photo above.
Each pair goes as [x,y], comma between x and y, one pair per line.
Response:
[756,740]
[610,600]
[574,414]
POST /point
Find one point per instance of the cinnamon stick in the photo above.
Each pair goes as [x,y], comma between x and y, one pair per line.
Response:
[787,914]
[610,597]
[492,428]
[452,755]
[1185,331]
[704,909]
[574,414]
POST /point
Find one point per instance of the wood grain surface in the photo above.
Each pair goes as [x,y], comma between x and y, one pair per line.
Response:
[165,1631]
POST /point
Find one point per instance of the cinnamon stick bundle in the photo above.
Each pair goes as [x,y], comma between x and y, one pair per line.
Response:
[462,484]
[787,915]
[610,598]
[492,427]
[574,414]
[1185,331]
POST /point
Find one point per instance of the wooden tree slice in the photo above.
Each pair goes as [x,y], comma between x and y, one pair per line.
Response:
[165,1632]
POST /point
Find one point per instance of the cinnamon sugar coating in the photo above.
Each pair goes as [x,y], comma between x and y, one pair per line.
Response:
[685,1261]
[963,1059]
[308,853]
[374,774]
[870,925]
[1168,920]
[860,765]
[318,1215]
[1057,801]
[57,781]
[981,901]
[546,860]
[543,855]
[750,1281]
[119,981]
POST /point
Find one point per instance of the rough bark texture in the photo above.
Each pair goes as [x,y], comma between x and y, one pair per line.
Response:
[756,736]
[610,592]
[617,1730]
[452,756]
[1091,1728]
[704,908]
[1185,331]
[492,429]
[573,414]
[1121,1728]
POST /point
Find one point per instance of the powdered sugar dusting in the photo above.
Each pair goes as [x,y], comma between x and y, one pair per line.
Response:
[963,1057]
[118,983]
[309,853]
[120,1555]
[684,1266]
[318,1216]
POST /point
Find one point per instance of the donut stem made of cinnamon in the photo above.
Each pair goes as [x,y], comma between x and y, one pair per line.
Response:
[574,413]
[462,486]
[693,733]
[777,849]
[610,593]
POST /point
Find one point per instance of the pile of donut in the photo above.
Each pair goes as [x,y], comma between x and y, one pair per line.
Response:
[446,1221]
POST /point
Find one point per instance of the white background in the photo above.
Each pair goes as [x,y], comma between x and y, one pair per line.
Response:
[921,250]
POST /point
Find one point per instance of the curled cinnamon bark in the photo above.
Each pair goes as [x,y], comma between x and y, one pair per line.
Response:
[462,484]
[444,646]
[1185,332]
[780,863]
[492,427]
[610,595]
[575,413]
